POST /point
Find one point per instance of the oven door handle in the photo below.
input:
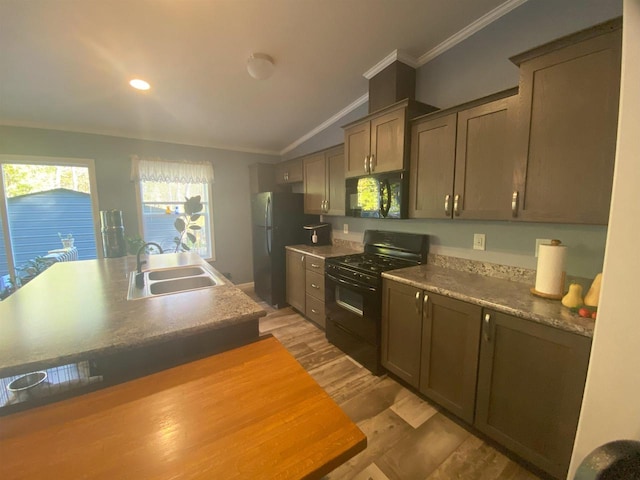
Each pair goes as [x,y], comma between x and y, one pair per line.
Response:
[350,284]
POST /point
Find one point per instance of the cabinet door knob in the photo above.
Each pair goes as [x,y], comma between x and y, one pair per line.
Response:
[418,302]
[487,328]
[326,206]
[447,198]
[313,285]
[456,205]
[514,203]
[366,163]
[371,164]
[425,309]
[313,310]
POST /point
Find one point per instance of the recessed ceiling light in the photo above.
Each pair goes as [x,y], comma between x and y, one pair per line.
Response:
[139,84]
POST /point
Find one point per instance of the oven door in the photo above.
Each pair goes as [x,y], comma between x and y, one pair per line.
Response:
[354,320]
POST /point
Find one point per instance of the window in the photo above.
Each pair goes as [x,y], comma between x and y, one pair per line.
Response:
[163,187]
[43,200]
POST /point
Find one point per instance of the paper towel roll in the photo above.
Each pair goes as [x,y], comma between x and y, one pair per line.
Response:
[550,271]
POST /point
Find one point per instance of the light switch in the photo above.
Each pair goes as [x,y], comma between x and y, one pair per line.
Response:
[345,228]
[478,241]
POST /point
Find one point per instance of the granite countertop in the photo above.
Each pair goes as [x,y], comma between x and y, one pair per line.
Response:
[79,310]
[324,251]
[513,298]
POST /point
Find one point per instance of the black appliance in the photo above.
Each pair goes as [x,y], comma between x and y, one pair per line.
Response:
[377,196]
[277,221]
[353,291]
[113,242]
[318,234]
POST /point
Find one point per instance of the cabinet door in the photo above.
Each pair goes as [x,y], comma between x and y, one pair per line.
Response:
[433,149]
[484,162]
[314,184]
[289,171]
[296,280]
[567,132]
[356,149]
[388,141]
[335,198]
[449,360]
[401,330]
[530,384]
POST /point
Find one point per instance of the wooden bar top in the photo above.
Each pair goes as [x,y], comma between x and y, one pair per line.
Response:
[248,413]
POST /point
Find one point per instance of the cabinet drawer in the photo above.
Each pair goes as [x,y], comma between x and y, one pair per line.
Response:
[315,310]
[315,285]
[315,264]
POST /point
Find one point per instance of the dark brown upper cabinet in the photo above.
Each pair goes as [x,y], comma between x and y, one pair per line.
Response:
[289,171]
[380,142]
[567,124]
[324,188]
[461,163]
[530,383]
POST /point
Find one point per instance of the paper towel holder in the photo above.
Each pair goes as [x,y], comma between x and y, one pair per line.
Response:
[550,296]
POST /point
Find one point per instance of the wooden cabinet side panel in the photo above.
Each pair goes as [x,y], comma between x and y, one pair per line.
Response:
[401,331]
[314,183]
[356,149]
[450,346]
[484,162]
[295,170]
[530,384]
[433,145]
[568,125]
[335,181]
[388,141]
[296,280]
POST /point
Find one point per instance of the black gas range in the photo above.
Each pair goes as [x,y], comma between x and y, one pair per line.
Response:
[353,289]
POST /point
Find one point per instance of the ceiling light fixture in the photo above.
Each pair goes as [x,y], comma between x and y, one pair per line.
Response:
[260,66]
[139,84]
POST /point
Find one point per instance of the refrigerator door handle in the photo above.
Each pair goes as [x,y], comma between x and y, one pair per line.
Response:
[267,228]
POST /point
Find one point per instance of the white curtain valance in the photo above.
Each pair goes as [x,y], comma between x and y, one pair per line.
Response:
[159,170]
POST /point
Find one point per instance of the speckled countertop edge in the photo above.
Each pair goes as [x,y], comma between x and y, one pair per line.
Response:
[513,298]
[324,251]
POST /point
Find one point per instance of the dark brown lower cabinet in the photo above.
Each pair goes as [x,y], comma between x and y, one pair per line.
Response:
[530,384]
[431,342]
[402,330]
[449,359]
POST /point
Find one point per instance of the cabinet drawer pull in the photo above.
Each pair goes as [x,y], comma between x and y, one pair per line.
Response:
[315,265]
[487,328]
[447,198]
[313,285]
[456,205]
[514,203]
[418,302]
[313,310]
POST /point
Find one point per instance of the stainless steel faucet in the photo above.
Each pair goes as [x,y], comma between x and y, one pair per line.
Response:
[139,263]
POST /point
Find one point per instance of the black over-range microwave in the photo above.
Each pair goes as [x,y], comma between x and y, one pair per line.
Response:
[377,196]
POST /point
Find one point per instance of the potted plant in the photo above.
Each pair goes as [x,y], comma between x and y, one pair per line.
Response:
[186,224]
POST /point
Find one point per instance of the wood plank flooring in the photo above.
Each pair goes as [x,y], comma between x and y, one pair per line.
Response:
[408,438]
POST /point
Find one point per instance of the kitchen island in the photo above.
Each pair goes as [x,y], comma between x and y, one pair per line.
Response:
[77,311]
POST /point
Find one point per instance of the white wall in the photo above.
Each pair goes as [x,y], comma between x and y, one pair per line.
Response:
[611,403]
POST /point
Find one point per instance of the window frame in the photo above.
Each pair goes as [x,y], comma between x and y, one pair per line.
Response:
[212,243]
[88,163]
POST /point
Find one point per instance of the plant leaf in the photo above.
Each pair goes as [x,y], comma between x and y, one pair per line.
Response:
[185,247]
[179,224]
[195,217]
[195,227]
[191,237]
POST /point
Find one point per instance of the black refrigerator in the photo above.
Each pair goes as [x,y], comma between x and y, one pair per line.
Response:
[277,221]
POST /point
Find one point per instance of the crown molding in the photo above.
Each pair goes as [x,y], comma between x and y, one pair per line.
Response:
[348,109]
[399,55]
[469,30]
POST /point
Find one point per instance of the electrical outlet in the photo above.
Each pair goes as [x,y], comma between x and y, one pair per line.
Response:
[541,241]
[345,228]
[479,241]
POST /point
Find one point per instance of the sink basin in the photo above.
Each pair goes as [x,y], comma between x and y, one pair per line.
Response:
[165,281]
[178,272]
[180,285]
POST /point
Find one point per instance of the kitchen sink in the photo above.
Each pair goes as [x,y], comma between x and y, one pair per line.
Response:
[166,281]
[171,273]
